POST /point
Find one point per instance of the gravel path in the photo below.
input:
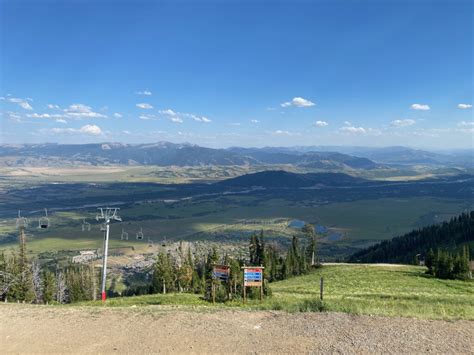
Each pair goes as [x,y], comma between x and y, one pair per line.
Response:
[46,329]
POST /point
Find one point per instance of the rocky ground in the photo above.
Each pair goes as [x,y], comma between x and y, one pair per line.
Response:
[46,329]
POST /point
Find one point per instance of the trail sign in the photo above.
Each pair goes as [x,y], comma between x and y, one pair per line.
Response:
[221,272]
[253,277]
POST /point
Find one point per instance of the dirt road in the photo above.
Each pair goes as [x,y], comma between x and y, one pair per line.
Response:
[46,329]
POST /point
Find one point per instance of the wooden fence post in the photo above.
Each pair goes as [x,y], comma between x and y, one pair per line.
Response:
[321,289]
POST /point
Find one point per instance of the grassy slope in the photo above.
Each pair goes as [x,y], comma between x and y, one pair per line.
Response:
[358,289]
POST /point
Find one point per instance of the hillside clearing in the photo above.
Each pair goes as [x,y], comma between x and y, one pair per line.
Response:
[383,290]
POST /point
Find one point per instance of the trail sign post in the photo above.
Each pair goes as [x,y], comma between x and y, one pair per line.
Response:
[221,273]
[253,277]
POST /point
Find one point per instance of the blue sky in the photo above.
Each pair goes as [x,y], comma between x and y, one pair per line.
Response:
[248,73]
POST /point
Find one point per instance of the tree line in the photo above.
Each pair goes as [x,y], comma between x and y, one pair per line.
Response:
[24,280]
[185,272]
[448,236]
[447,265]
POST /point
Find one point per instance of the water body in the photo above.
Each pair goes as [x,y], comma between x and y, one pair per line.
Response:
[296,223]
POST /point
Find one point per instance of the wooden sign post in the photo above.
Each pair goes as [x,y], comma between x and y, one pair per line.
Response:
[221,273]
[253,277]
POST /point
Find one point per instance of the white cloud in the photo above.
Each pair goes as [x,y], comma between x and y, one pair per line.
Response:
[320,124]
[80,111]
[144,106]
[197,118]
[420,107]
[178,116]
[147,117]
[255,121]
[280,132]
[126,132]
[117,115]
[347,123]
[271,108]
[168,112]
[90,130]
[60,120]
[234,124]
[352,129]
[23,103]
[403,123]
[298,102]
[53,107]
[464,106]
[176,120]
[144,92]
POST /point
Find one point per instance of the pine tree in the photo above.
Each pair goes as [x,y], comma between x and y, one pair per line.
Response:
[308,231]
[429,261]
[49,287]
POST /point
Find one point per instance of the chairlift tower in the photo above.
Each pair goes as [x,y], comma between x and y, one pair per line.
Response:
[107,215]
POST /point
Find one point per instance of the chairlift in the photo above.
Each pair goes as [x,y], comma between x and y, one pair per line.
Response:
[103,227]
[150,243]
[86,226]
[21,221]
[124,235]
[43,222]
[140,234]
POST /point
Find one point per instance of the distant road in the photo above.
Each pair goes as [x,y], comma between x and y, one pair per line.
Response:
[60,329]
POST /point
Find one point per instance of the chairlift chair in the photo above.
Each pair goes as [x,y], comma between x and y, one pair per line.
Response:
[43,222]
[140,234]
[86,226]
[124,235]
[103,227]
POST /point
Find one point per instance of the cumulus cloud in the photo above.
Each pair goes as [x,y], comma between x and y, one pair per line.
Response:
[117,115]
[61,120]
[320,124]
[89,130]
[298,102]
[23,103]
[464,106]
[144,92]
[53,107]
[144,106]
[403,123]
[420,107]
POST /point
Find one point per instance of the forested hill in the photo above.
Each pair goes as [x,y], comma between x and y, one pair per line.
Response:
[448,235]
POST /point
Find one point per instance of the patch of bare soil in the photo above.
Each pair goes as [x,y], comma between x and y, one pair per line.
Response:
[47,329]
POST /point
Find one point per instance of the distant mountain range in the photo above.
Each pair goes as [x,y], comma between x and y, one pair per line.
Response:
[171,154]
[396,155]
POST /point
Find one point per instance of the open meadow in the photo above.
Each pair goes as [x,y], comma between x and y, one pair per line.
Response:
[382,290]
